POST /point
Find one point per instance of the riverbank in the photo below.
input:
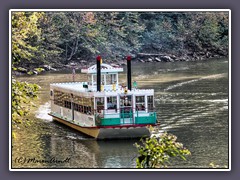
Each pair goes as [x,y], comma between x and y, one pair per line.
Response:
[205,55]
[187,56]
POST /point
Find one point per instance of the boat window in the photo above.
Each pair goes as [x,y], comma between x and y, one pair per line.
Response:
[94,79]
[99,103]
[77,107]
[111,79]
[85,109]
[125,100]
[90,110]
[89,77]
[125,106]
[150,103]
[112,102]
[140,103]
[83,104]
[67,104]
[102,79]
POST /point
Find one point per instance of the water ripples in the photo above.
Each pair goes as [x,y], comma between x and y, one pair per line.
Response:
[191,100]
[42,112]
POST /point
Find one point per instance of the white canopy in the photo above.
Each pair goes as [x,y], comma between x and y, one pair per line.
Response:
[104,69]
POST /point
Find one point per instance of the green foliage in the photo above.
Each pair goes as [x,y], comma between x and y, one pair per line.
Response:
[85,34]
[35,71]
[39,69]
[25,35]
[60,37]
[122,32]
[155,152]
[31,42]
[185,31]
[22,95]
[75,33]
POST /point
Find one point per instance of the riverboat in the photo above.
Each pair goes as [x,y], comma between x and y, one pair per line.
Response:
[101,107]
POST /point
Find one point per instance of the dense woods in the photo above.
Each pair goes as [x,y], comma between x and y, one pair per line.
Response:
[58,38]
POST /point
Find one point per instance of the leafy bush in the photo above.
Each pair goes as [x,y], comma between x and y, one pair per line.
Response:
[155,152]
[22,95]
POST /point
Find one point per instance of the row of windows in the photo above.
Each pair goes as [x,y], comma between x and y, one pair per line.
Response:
[83,109]
[89,109]
[86,105]
[78,107]
[80,104]
[110,79]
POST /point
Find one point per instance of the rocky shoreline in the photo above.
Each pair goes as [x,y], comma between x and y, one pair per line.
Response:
[188,56]
[140,57]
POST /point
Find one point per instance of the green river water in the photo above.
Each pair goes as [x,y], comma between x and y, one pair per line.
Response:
[191,99]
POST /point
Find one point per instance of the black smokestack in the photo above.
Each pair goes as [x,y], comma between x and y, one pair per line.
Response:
[129,74]
[98,73]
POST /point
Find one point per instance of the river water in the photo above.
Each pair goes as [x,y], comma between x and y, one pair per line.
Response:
[191,99]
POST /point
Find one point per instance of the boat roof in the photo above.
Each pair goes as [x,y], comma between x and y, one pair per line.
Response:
[105,68]
[75,86]
[78,87]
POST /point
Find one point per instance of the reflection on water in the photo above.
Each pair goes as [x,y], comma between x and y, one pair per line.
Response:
[191,100]
[63,143]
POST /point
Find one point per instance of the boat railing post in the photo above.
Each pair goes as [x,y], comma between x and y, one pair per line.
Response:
[95,117]
[155,117]
[104,112]
[72,106]
[123,116]
[131,115]
[137,114]
[119,114]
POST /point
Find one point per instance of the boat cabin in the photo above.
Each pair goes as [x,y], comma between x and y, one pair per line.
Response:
[109,77]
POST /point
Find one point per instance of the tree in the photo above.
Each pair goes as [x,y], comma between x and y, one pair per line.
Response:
[85,34]
[155,152]
[25,36]
[61,37]
[183,32]
[49,50]
[122,32]
[78,33]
